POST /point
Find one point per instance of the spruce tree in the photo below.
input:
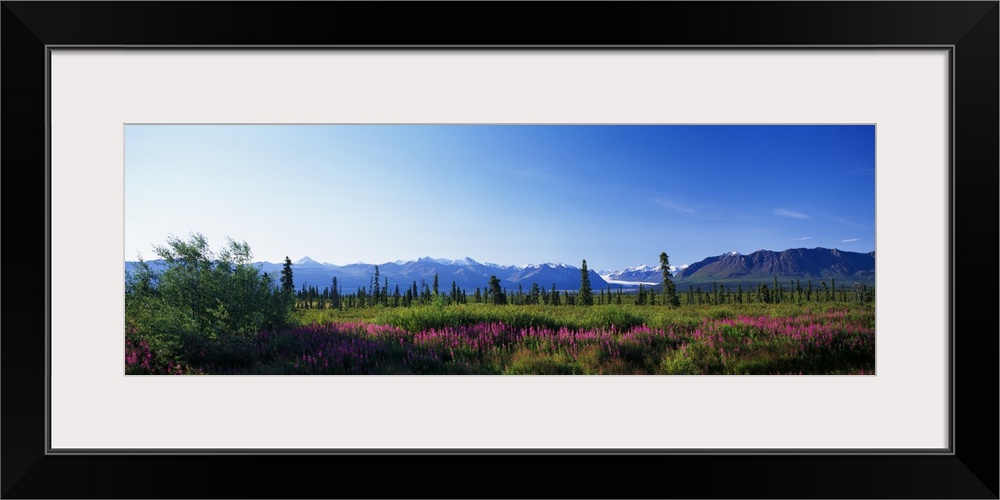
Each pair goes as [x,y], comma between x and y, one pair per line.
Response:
[496,292]
[287,284]
[586,296]
[669,291]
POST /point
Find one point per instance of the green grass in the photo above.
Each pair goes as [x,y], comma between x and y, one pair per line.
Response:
[621,317]
[729,339]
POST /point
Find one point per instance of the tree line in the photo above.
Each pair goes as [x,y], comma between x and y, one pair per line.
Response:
[204,293]
[777,293]
[380,293]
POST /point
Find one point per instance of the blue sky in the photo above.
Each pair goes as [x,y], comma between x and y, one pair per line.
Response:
[616,195]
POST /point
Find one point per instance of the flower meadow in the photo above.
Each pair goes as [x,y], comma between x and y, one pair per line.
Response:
[727,342]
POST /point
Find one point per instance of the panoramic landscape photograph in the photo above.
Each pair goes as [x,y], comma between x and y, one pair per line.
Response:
[499,250]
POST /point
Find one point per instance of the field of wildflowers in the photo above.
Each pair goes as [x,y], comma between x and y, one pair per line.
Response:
[612,340]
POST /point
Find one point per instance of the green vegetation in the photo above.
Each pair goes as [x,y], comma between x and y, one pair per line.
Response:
[669,290]
[201,300]
[610,340]
[586,294]
[217,314]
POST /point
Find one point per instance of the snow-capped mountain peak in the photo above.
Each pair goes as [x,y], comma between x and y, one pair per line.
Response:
[306,261]
[467,261]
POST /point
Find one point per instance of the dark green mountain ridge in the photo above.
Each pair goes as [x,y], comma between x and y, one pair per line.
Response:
[804,264]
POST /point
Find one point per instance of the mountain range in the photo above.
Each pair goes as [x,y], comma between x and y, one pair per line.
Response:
[466,273]
[817,264]
[805,264]
[761,266]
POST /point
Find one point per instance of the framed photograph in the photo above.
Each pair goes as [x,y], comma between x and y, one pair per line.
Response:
[137,119]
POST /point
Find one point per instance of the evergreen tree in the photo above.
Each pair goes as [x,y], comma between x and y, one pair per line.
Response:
[496,292]
[669,291]
[765,293]
[435,284]
[287,284]
[534,295]
[586,296]
[554,296]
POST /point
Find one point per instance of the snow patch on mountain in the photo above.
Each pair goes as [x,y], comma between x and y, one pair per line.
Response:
[629,283]
[306,261]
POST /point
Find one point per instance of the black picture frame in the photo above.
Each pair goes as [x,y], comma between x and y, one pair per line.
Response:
[969,28]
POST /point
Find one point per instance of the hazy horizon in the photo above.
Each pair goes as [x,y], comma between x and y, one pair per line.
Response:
[615,195]
[522,264]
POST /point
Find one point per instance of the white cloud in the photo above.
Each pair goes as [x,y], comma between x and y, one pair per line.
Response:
[788,213]
[673,206]
[803,238]
[850,240]
[845,222]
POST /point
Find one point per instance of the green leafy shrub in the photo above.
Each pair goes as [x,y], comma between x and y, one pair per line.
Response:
[201,296]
